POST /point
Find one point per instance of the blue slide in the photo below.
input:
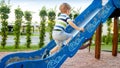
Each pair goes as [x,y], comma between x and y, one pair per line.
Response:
[90,19]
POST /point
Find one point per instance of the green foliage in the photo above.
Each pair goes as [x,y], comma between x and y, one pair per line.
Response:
[4,16]
[51,22]
[4,31]
[43,15]
[119,37]
[109,21]
[119,30]
[104,38]
[75,15]
[108,39]
[28,17]
[42,34]
[71,15]
[51,15]
[4,11]
[109,36]
[18,13]
[21,48]
[43,12]
[17,26]
[28,33]
[59,14]
[119,26]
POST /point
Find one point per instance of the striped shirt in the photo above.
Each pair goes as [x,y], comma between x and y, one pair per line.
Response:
[62,22]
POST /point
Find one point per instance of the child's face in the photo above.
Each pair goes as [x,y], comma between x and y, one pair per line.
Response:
[68,12]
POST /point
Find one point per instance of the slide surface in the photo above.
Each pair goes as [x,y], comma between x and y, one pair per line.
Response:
[90,19]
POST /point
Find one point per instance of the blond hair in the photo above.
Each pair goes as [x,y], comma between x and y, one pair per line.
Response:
[64,7]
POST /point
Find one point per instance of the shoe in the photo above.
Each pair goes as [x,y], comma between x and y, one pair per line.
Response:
[64,43]
[45,54]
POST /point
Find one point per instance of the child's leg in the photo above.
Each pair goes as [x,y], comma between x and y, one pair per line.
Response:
[59,39]
[67,41]
[55,49]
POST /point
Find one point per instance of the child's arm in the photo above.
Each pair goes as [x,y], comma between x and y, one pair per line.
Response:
[75,27]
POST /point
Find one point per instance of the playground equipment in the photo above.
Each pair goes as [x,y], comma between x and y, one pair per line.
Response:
[90,19]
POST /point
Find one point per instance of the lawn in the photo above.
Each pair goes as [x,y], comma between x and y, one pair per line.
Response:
[105,47]
[35,47]
[21,48]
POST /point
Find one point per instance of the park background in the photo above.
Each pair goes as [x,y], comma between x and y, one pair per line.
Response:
[40,34]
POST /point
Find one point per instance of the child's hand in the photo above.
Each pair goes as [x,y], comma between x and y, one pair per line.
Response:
[81,29]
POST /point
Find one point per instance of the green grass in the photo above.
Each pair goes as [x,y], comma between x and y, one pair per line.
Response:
[21,48]
[35,47]
[105,47]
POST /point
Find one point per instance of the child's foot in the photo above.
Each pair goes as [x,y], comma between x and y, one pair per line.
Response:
[64,43]
[45,54]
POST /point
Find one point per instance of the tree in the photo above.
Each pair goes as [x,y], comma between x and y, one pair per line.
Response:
[119,30]
[42,15]
[108,37]
[28,17]
[51,22]
[76,13]
[17,26]
[4,11]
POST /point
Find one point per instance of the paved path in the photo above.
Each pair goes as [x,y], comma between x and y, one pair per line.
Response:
[34,39]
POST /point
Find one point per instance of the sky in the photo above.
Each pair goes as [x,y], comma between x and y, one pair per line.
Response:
[36,5]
